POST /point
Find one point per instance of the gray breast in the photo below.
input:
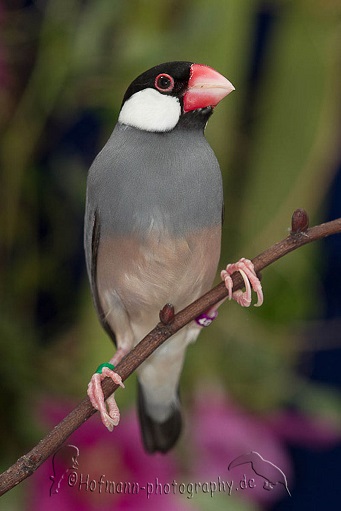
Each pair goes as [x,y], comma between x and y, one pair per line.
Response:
[143,181]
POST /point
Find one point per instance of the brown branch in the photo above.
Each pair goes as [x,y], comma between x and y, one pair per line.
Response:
[299,236]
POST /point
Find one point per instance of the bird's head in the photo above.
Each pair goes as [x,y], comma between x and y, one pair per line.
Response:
[157,99]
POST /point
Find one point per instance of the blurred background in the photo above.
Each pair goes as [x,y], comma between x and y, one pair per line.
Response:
[265,380]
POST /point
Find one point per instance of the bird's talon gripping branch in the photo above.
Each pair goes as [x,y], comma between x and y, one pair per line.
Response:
[109,411]
[247,271]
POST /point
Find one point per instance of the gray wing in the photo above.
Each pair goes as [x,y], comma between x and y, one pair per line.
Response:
[92,234]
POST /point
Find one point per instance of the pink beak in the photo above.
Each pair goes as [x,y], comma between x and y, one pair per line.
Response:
[206,87]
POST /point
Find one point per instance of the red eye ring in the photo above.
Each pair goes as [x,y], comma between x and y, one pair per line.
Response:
[164,82]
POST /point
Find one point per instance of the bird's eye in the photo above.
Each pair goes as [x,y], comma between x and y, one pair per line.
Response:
[164,82]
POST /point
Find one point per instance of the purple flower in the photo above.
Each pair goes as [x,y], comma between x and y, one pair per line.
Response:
[111,470]
[226,451]
[232,444]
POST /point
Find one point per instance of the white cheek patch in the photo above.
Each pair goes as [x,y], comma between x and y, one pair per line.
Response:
[151,111]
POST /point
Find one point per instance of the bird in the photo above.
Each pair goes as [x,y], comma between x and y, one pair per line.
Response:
[264,468]
[152,235]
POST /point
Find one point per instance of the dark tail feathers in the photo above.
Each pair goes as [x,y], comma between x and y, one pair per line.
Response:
[158,436]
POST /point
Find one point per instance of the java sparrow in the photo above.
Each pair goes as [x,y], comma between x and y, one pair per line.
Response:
[152,234]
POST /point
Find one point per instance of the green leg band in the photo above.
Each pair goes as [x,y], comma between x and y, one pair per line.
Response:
[106,364]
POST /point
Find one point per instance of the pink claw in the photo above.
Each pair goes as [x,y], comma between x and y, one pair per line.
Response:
[247,271]
[109,411]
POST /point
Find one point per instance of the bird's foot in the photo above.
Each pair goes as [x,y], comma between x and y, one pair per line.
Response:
[109,411]
[247,271]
